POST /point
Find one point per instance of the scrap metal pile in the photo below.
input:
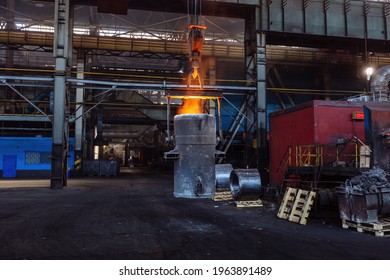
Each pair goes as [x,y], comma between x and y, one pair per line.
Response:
[366,197]
[371,181]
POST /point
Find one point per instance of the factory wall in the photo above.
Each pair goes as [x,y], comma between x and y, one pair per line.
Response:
[312,123]
[28,157]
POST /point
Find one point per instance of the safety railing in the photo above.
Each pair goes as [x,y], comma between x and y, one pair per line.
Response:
[348,154]
[304,165]
[285,161]
[308,155]
[21,107]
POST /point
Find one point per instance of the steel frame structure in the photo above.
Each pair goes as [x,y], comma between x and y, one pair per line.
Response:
[261,24]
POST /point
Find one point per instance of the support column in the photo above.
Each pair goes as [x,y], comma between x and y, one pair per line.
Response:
[127,155]
[212,81]
[90,119]
[261,101]
[79,124]
[214,105]
[261,108]
[99,140]
[60,138]
[251,154]
[255,52]
[9,54]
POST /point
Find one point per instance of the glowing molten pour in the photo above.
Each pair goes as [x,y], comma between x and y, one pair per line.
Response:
[191,106]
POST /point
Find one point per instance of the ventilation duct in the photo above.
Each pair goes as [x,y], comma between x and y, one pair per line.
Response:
[380,80]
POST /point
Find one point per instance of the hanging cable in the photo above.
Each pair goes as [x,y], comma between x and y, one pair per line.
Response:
[196,11]
[188,13]
[200,8]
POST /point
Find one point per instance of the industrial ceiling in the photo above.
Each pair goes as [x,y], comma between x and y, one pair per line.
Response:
[146,41]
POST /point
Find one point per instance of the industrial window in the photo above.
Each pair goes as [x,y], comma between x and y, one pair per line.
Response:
[38,157]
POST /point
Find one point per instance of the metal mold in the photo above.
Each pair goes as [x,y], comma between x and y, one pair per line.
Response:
[365,197]
[356,207]
[245,184]
[222,176]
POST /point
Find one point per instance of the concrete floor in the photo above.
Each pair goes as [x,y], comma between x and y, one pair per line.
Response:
[135,216]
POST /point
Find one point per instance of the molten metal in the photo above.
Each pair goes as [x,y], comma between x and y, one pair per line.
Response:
[191,106]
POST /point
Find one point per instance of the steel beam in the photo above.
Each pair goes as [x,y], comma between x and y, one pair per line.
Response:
[158,86]
[251,27]
[261,101]
[237,122]
[79,121]
[342,18]
[173,48]
[279,78]
[25,98]
[255,50]
[24,118]
[60,138]
[81,83]
[21,78]
[79,107]
[9,52]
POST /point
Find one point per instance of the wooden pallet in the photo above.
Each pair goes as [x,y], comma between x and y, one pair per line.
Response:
[249,203]
[380,228]
[223,196]
[296,205]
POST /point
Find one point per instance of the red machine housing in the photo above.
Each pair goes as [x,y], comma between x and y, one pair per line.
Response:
[378,125]
[312,123]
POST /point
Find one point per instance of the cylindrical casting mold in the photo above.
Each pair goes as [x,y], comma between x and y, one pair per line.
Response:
[245,184]
[194,171]
[222,176]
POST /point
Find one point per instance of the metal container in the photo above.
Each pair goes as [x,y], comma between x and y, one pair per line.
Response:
[377,121]
[245,184]
[363,207]
[344,203]
[358,207]
[101,167]
[194,155]
[385,201]
[365,197]
[222,176]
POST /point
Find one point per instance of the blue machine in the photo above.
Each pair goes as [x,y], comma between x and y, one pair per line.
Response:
[28,157]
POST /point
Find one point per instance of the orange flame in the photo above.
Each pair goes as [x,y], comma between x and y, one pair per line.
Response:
[191,106]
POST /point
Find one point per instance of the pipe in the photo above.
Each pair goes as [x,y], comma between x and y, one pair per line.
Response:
[158,86]
[21,78]
[379,82]
[245,184]
[126,135]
